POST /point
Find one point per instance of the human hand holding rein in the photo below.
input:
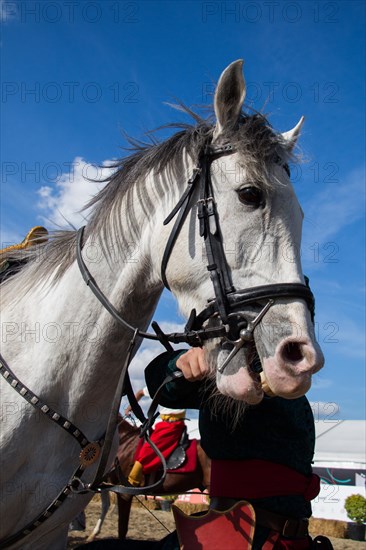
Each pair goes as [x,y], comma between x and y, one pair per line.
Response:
[193,364]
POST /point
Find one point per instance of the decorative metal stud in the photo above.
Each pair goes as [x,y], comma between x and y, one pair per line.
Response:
[45,409]
[89,454]
[34,400]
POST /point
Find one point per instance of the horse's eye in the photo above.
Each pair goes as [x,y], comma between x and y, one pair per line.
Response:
[251,196]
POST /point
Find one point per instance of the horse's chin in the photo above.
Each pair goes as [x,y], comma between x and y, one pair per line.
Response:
[239,381]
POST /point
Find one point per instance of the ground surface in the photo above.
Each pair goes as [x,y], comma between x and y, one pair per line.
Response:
[143,526]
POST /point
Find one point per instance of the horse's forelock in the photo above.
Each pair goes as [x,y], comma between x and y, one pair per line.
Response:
[254,138]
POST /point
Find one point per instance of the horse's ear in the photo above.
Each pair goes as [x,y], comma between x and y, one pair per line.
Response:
[290,137]
[229,97]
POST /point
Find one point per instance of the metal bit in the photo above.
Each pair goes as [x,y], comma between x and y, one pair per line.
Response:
[246,336]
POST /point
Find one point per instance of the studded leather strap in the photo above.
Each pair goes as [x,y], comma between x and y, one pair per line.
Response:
[36,402]
[45,514]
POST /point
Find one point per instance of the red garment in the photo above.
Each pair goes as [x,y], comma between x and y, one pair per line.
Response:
[259,479]
[251,479]
[293,544]
[166,436]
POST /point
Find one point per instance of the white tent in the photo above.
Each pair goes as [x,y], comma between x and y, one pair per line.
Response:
[342,441]
[340,461]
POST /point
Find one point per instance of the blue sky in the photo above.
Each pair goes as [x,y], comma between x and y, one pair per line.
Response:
[75,74]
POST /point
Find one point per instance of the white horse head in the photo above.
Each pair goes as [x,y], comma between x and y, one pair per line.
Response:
[261,221]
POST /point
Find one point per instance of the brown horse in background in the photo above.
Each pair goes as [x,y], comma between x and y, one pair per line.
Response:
[174,483]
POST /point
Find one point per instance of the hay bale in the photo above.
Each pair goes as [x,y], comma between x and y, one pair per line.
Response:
[328,528]
[149,503]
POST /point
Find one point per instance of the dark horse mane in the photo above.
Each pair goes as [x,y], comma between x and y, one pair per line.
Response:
[253,136]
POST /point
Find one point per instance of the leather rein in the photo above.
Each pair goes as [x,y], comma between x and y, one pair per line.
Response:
[227,307]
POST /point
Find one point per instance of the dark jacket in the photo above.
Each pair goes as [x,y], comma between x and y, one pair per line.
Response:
[276,429]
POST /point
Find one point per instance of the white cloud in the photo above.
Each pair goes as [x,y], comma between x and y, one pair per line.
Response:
[146,353]
[62,203]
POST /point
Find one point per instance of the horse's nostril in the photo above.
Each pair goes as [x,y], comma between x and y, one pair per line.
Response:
[292,352]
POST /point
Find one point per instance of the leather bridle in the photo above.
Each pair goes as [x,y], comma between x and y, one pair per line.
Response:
[227,304]
[227,299]
[227,308]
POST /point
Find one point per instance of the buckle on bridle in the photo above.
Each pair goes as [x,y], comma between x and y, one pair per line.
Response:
[78,487]
[246,335]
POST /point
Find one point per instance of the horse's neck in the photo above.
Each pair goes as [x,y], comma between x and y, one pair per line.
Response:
[131,281]
[74,350]
[135,298]
[75,359]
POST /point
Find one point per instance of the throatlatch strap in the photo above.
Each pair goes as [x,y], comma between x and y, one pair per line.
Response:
[182,209]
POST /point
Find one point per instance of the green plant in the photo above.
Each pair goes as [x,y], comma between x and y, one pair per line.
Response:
[355,506]
[169,497]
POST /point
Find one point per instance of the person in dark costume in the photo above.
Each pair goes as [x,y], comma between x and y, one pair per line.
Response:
[264,457]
